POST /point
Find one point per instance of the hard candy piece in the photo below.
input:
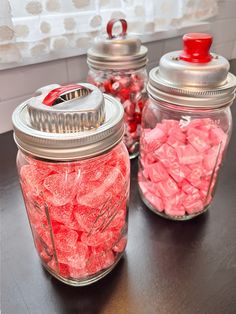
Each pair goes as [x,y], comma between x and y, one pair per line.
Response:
[155,201]
[193,204]
[117,220]
[174,205]
[211,158]
[60,268]
[173,142]
[86,216]
[157,172]
[132,126]
[124,94]
[120,161]
[177,134]
[113,184]
[195,176]
[96,239]
[153,139]
[61,214]
[32,178]
[178,172]
[199,139]
[137,117]
[175,212]
[62,188]
[166,155]
[77,257]
[108,87]
[167,188]
[188,155]
[65,239]
[189,188]
[120,246]
[217,136]
[147,186]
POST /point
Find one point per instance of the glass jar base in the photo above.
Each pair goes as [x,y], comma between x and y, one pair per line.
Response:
[87,281]
[175,218]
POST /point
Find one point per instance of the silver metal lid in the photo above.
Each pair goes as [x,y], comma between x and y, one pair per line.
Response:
[68,122]
[193,77]
[119,52]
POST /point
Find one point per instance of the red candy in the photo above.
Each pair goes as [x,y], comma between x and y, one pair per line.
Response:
[178,160]
[129,89]
[78,211]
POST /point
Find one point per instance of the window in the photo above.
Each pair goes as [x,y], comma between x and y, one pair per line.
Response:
[32,31]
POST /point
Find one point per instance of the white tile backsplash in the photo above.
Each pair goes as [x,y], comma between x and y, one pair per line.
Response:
[172,44]
[6,108]
[223,30]
[223,49]
[25,80]
[155,50]
[18,84]
[77,69]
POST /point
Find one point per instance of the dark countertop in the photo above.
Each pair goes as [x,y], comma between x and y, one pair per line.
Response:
[169,267]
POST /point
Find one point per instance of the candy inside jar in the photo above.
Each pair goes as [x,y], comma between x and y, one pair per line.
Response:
[178,171]
[186,128]
[117,67]
[75,184]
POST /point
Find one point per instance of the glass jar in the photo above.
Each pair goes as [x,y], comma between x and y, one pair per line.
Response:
[185,133]
[118,67]
[75,188]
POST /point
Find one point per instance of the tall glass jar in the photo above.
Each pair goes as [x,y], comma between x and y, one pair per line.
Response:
[185,130]
[118,67]
[74,173]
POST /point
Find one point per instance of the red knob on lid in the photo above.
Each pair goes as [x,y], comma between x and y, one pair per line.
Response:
[196,48]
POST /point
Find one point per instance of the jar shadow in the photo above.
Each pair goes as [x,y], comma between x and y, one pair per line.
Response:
[87,299]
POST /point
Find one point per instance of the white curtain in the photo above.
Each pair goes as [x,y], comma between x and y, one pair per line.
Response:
[38,30]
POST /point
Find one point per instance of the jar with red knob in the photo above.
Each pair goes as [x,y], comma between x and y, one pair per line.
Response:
[117,66]
[186,127]
[74,174]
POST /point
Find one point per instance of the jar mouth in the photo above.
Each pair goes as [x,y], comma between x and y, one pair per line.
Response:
[69,146]
[190,97]
[172,106]
[107,62]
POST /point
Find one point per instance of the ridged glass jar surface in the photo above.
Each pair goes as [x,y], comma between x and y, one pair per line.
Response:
[181,153]
[77,212]
[129,87]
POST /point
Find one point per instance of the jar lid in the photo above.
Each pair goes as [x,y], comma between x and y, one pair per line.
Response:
[120,52]
[68,122]
[193,77]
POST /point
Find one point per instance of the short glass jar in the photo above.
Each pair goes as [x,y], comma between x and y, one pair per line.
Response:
[185,130]
[75,185]
[117,66]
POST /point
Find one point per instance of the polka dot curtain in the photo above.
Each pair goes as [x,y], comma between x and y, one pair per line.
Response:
[33,31]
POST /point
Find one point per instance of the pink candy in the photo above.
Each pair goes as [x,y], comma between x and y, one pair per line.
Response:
[179,165]
[82,206]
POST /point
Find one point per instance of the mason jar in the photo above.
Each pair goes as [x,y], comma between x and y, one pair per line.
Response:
[74,173]
[117,66]
[186,128]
